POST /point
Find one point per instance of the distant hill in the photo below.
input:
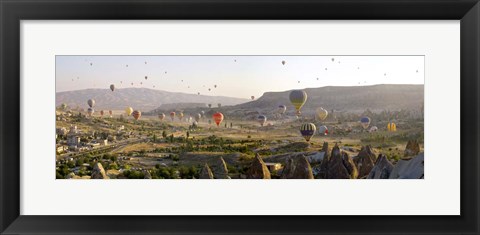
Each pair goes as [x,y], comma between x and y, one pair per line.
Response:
[139,98]
[347,99]
[356,99]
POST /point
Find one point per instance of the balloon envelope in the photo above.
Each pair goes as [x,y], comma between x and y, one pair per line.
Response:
[365,121]
[90,111]
[161,116]
[308,130]
[218,118]
[197,117]
[322,113]
[282,109]
[112,87]
[91,103]
[323,130]
[298,99]
[136,114]
[129,111]
[172,115]
[262,119]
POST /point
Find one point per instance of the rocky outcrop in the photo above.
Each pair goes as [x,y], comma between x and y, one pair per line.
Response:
[71,175]
[323,169]
[205,172]
[297,168]
[98,172]
[258,169]
[382,169]
[364,161]
[220,170]
[341,166]
[412,149]
[409,168]
[147,174]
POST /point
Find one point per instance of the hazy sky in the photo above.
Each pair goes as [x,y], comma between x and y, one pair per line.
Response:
[249,75]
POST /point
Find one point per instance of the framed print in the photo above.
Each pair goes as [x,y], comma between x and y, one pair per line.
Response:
[201,117]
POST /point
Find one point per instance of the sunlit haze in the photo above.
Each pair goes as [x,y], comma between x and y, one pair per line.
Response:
[234,76]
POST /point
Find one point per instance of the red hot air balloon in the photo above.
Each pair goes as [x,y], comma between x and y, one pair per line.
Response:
[218,118]
[136,114]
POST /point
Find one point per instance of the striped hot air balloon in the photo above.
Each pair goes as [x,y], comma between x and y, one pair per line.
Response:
[262,119]
[161,116]
[136,114]
[218,118]
[180,116]
[308,130]
[298,99]
[365,122]
[90,111]
[172,115]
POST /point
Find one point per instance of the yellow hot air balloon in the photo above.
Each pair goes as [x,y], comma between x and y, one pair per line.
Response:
[322,113]
[129,111]
[391,127]
[298,99]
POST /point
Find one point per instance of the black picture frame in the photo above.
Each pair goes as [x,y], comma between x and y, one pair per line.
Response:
[13,11]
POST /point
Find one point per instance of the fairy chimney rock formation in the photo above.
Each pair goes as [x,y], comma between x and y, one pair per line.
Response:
[220,170]
[409,168]
[341,166]
[206,173]
[365,161]
[258,169]
[382,169]
[297,167]
[323,172]
[98,172]
[412,149]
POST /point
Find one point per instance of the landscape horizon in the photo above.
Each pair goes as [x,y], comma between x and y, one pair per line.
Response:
[173,127]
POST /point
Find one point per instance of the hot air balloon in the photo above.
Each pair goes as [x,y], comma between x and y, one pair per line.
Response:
[136,114]
[308,130]
[132,83]
[218,118]
[333,59]
[262,119]
[91,103]
[391,127]
[209,122]
[323,130]
[126,65]
[128,111]
[180,116]
[252,97]
[209,89]
[101,113]
[112,87]
[219,105]
[197,117]
[90,111]
[63,106]
[161,116]
[298,99]
[322,113]
[365,121]
[283,62]
[281,109]
[146,77]
[373,129]
[110,112]
[172,115]
[145,62]
[215,86]
[203,113]
[209,105]
[91,64]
